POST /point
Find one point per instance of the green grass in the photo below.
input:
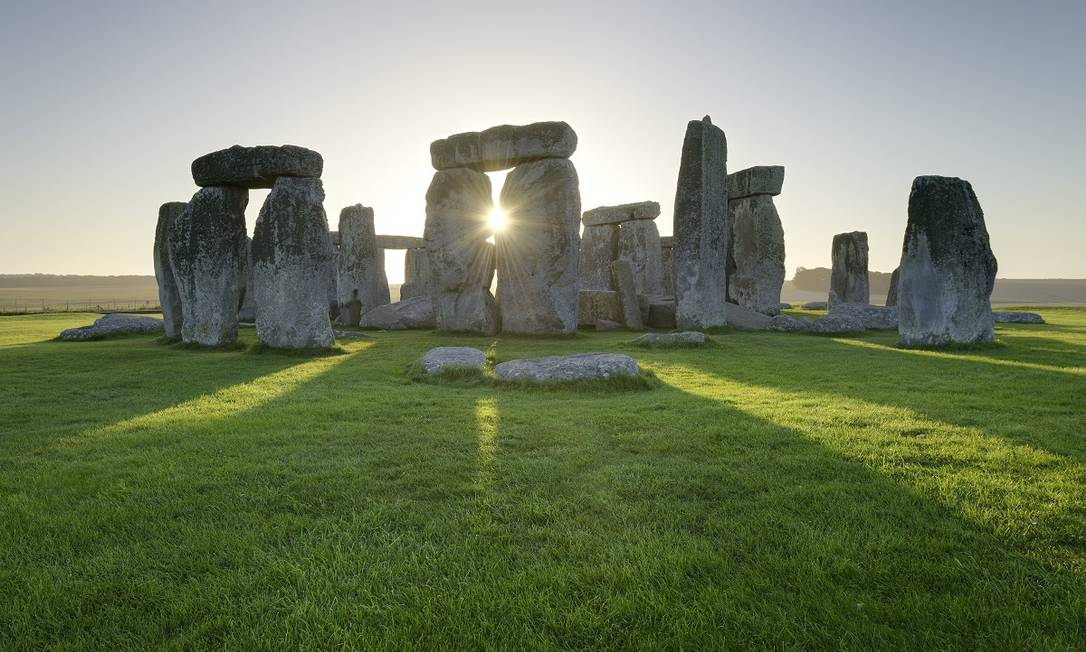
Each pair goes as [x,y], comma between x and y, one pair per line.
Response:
[774,490]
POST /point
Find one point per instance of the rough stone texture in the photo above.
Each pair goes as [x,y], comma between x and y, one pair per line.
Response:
[816,305]
[661,314]
[400,242]
[416,274]
[848,280]
[785,306]
[607,325]
[836,325]
[786,324]
[872,317]
[416,312]
[361,284]
[701,228]
[642,210]
[446,357]
[333,277]
[667,266]
[639,244]
[461,261]
[568,367]
[112,324]
[947,267]
[758,180]
[256,167]
[539,250]
[682,337]
[1016,317]
[891,294]
[756,254]
[744,319]
[504,147]
[207,250]
[599,248]
[595,306]
[627,295]
[291,255]
[247,309]
[169,298]
[350,335]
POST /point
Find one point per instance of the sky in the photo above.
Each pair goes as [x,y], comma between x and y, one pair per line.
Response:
[106,104]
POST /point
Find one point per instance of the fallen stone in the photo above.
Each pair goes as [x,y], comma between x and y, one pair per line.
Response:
[416,274]
[169,297]
[682,337]
[756,254]
[661,314]
[361,283]
[848,279]
[594,306]
[400,242]
[816,305]
[785,306]
[504,147]
[744,319]
[627,295]
[836,325]
[758,180]
[416,312]
[786,324]
[568,367]
[114,323]
[438,359]
[256,167]
[872,317]
[599,248]
[350,335]
[639,244]
[1016,317]
[947,267]
[644,210]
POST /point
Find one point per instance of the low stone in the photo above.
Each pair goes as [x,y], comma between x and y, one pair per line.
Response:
[785,306]
[848,279]
[816,305]
[350,335]
[744,319]
[169,298]
[607,325]
[441,358]
[504,146]
[643,210]
[786,324]
[400,242]
[682,337]
[599,248]
[758,180]
[568,367]
[416,312]
[361,283]
[594,306]
[872,317]
[1016,317]
[639,244]
[836,325]
[256,167]
[756,254]
[662,314]
[627,295]
[114,323]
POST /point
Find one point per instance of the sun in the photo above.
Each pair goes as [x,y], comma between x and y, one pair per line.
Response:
[497,219]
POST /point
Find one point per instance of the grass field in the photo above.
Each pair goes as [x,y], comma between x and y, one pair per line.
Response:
[775,491]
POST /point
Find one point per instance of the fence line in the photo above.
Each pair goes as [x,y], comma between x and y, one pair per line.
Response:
[28,306]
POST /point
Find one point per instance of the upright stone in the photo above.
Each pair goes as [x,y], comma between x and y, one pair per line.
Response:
[756,254]
[333,277]
[848,279]
[416,274]
[599,247]
[701,228]
[627,294]
[207,250]
[461,261]
[667,265]
[947,267]
[538,252]
[247,309]
[639,245]
[891,294]
[291,254]
[169,298]
[361,284]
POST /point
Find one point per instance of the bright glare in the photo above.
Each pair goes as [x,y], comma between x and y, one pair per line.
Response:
[497,219]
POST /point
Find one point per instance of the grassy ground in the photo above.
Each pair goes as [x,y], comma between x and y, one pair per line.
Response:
[775,491]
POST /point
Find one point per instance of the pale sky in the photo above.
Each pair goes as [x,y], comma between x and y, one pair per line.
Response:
[105,104]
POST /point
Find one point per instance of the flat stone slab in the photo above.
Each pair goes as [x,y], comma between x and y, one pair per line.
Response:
[350,335]
[504,146]
[816,305]
[836,325]
[416,312]
[256,167]
[758,180]
[744,319]
[444,357]
[568,367]
[114,324]
[644,210]
[683,337]
[872,317]
[1016,317]
[400,242]
[786,324]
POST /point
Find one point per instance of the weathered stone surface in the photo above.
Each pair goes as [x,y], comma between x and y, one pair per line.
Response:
[438,359]
[661,314]
[333,277]
[816,305]
[400,242]
[334,235]
[1016,317]
[642,210]
[607,325]
[461,261]
[639,244]
[112,324]
[682,337]
[361,284]
[169,298]
[701,228]
[627,295]
[599,248]
[786,324]
[416,274]
[350,335]
[891,294]
[416,312]
[539,250]
[256,167]
[568,367]
[758,180]
[667,266]
[947,267]
[247,309]
[872,317]
[785,306]
[848,280]
[291,255]
[504,146]
[836,325]
[744,319]
[207,250]
[595,306]
[756,254]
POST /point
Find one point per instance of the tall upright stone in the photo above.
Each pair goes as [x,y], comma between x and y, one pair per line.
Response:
[701,228]
[539,250]
[947,267]
[461,261]
[848,279]
[207,250]
[169,298]
[416,274]
[247,309]
[599,248]
[756,250]
[292,251]
[361,283]
[667,265]
[891,293]
[639,245]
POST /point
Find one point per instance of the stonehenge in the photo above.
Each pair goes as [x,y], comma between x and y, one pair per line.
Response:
[625,232]
[247,309]
[848,280]
[667,265]
[256,167]
[168,295]
[756,251]
[361,284]
[504,147]
[416,276]
[891,294]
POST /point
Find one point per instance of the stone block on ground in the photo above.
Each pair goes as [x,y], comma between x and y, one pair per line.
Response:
[682,337]
[1016,317]
[872,317]
[416,312]
[114,323]
[504,147]
[836,325]
[582,366]
[661,313]
[786,324]
[744,319]
[441,358]
[256,167]
[816,305]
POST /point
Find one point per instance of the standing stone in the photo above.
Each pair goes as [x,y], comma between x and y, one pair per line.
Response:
[361,284]
[291,254]
[599,247]
[667,265]
[848,280]
[891,294]
[947,267]
[701,228]
[756,254]
[333,278]
[169,297]
[627,294]
[461,261]
[639,245]
[538,252]
[504,146]
[207,250]
[247,309]
[416,274]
